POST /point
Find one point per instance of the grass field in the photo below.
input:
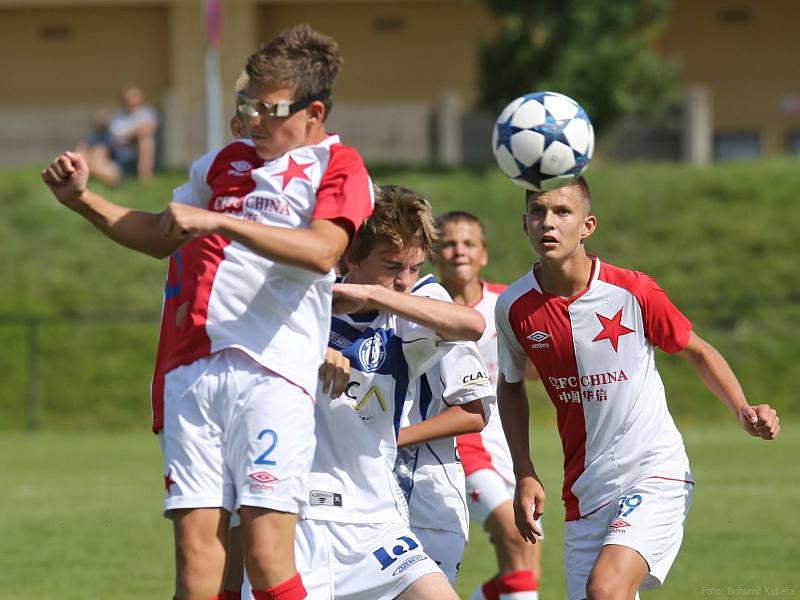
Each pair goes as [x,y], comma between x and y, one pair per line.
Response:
[80,518]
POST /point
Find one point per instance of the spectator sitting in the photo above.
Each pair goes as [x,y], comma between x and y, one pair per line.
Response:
[123,144]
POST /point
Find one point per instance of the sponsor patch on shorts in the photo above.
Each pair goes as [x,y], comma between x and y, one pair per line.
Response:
[408,562]
[320,498]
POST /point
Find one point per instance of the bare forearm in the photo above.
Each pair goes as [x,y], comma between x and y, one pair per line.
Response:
[134,229]
[451,321]
[717,375]
[304,248]
[512,401]
[453,421]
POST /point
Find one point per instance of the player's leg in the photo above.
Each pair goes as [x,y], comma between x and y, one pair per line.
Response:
[446,548]
[616,574]
[198,499]
[643,533]
[433,586]
[234,567]
[268,537]
[518,562]
[268,453]
[200,542]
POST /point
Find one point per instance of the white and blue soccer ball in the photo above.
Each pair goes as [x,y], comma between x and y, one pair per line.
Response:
[543,140]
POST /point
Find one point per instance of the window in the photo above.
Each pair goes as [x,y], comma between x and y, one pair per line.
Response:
[740,145]
[793,142]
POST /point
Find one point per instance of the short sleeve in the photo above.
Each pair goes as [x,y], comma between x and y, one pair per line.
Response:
[345,192]
[511,357]
[196,191]
[665,326]
[461,377]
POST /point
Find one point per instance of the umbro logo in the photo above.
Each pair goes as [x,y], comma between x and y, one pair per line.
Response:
[240,167]
[262,480]
[539,339]
[263,477]
[618,524]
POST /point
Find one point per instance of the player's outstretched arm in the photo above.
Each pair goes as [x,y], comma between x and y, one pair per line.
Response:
[316,248]
[67,177]
[452,322]
[456,420]
[759,421]
[529,496]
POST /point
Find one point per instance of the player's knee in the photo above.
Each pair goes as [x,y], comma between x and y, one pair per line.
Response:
[200,564]
[605,588]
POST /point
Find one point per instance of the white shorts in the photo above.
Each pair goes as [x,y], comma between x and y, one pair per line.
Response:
[648,518]
[235,434]
[486,490]
[354,561]
[445,547]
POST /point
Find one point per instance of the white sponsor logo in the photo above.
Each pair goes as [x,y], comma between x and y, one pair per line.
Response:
[539,339]
[240,167]
[372,353]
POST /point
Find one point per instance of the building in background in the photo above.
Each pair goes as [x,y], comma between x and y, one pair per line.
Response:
[408,85]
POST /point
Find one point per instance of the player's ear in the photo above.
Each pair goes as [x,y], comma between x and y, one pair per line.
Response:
[589,225]
[525,224]
[237,127]
[316,112]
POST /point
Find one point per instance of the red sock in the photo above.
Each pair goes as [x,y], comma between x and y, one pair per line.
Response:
[230,595]
[291,589]
[490,591]
[517,582]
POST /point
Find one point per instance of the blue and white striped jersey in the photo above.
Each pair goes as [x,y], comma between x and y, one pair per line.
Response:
[430,474]
[352,478]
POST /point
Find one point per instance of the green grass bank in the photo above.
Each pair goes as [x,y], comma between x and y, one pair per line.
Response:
[79,315]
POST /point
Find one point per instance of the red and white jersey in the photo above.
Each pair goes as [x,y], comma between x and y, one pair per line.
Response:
[220,294]
[595,353]
[488,449]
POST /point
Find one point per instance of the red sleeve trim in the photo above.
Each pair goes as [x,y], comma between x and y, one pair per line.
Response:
[345,192]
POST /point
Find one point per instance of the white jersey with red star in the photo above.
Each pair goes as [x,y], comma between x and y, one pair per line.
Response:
[220,294]
[431,474]
[488,449]
[352,479]
[595,353]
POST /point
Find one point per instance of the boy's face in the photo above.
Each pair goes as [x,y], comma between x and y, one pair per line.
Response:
[388,267]
[556,223]
[275,136]
[462,252]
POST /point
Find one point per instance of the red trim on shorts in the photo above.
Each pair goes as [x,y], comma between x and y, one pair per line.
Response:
[670,479]
[474,455]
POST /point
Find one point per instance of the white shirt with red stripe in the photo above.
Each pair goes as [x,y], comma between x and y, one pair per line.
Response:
[595,353]
[488,449]
[220,294]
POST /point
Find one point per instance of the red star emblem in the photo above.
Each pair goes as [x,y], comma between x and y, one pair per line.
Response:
[612,330]
[168,481]
[475,495]
[294,170]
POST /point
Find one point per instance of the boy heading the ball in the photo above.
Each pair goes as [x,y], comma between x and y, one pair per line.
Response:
[354,541]
[252,238]
[591,329]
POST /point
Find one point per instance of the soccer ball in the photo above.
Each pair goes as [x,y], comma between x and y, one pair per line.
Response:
[543,140]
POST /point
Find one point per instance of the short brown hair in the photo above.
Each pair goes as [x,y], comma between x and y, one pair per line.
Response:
[401,218]
[300,58]
[457,216]
[582,188]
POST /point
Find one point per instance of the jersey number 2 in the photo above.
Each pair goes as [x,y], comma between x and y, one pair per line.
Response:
[262,460]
